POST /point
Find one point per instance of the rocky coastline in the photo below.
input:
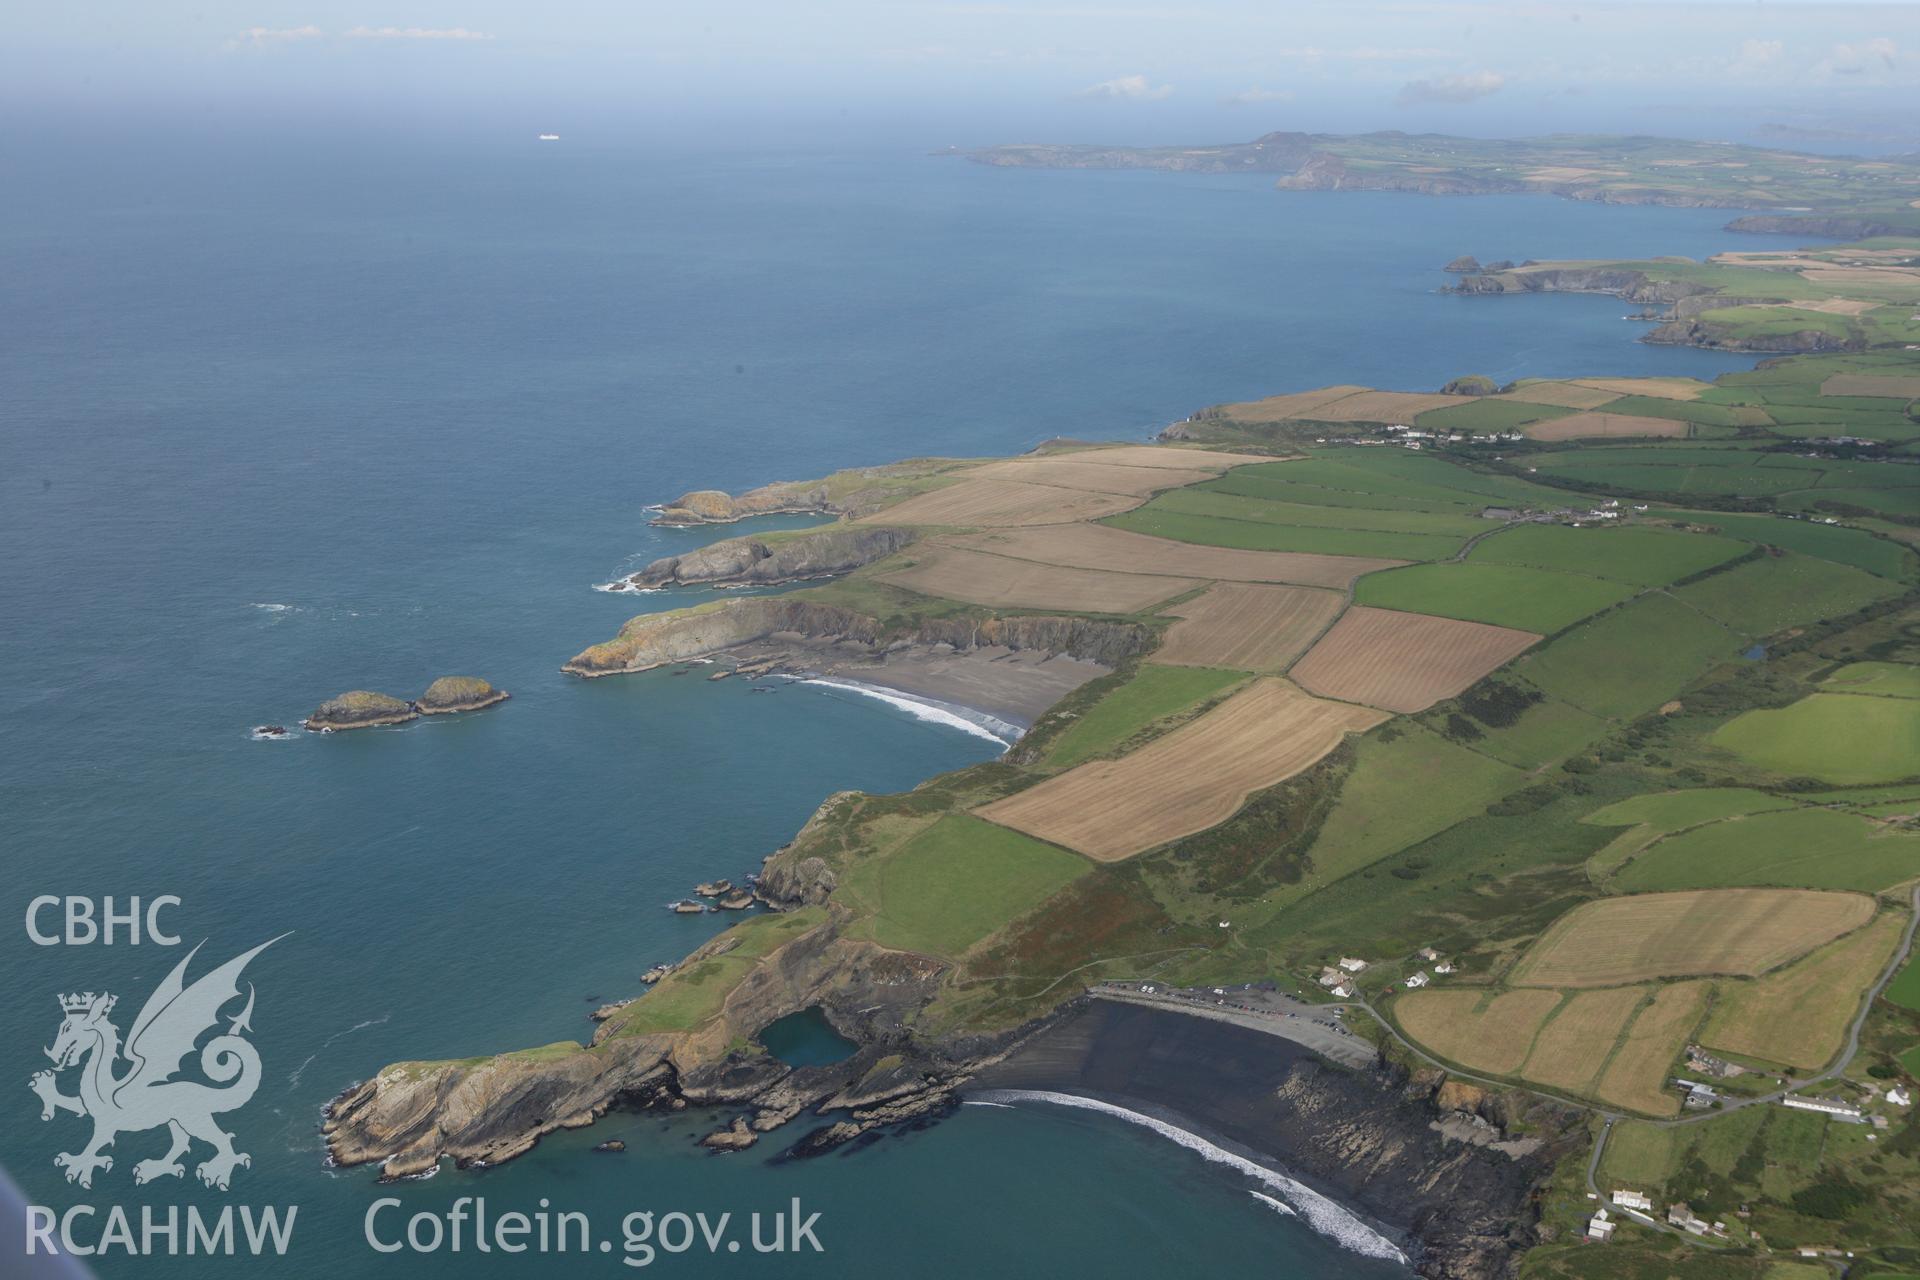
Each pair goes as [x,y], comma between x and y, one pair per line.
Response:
[763,562]
[1389,1143]
[1676,305]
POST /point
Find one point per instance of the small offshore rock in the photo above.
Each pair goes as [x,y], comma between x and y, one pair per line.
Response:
[736,1137]
[449,694]
[612,1144]
[359,709]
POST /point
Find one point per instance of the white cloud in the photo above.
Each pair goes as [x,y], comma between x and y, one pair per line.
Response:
[262,37]
[416,33]
[1865,58]
[1467,87]
[1127,89]
[1255,96]
[1758,55]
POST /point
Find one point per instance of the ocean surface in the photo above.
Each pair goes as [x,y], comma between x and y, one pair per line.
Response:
[281,419]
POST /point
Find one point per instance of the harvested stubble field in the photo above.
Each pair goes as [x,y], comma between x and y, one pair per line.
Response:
[1570,1050]
[980,578]
[1000,503]
[1799,1015]
[1148,455]
[1281,408]
[1074,471]
[1099,546]
[1662,388]
[1484,1033]
[1674,935]
[1404,661]
[1869,384]
[1380,406]
[1601,426]
[1247,626]
[1564,395]
[1636,1077]
[1195,777]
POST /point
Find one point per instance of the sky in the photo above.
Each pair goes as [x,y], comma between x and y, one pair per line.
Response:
[1834,76]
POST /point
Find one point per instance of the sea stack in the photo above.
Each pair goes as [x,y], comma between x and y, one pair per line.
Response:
[458,693]
[359,709]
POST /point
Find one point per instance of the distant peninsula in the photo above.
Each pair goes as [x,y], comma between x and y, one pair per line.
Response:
[1797,193]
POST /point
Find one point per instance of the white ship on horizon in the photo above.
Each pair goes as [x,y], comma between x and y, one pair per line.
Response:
[549,137]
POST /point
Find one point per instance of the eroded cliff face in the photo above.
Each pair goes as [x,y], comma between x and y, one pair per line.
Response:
[1705,333]
[757,562]
[1634,286]
[412,1115]
[652,640]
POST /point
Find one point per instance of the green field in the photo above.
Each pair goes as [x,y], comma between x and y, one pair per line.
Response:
[1793,848]
[1170,517]
[1488,415]
[1879,679]
[1219,499]
[1670,645]
[1788,590]
[1678,810]
[1155,692]
[1837,737]
[1837,543]
[1399,793]
[962,879]
[1550,730]
[1642,557]
[1503,594]
[1904,990]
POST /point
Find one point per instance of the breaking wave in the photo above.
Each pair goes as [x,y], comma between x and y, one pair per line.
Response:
[977,723]
[1319,1212]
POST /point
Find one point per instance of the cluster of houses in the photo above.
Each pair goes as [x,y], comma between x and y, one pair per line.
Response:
[1338,978]
[1635,1204]
[1398,433]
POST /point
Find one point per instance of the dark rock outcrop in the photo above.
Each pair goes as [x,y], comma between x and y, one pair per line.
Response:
[1702,333]
[1473,384]
[359,709]
[1465,264]
[757,562]
[449,694]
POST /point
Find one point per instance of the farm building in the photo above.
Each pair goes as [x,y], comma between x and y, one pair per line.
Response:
[1599,1226]
[1417,980]
[1899,1097]
[1633,1200]
[1351,965]
[1839,1110]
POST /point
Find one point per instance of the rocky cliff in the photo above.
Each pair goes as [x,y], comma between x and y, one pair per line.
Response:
[1621,282]
[1704,333]
[485,1110]
[652,640]
[757,562]
[861,491]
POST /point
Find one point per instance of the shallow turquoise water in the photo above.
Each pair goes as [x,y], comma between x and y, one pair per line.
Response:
[281,421]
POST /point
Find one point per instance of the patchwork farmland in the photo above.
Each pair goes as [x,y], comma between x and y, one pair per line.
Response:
[1404,661]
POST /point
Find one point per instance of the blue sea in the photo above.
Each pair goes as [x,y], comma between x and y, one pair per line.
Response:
[282,418]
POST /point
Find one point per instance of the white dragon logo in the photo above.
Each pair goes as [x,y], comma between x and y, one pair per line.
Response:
[145,1095]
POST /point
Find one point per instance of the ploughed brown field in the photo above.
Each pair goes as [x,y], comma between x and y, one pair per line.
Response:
[1404,661]
[1698,932]
[998,503]
[1075,471]
[1191,779]
[1565,395]
[1660,388]
[1247,626]
[1099,546]
[1636,1076]
[1870,384]
[980,578]
[1595,426]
